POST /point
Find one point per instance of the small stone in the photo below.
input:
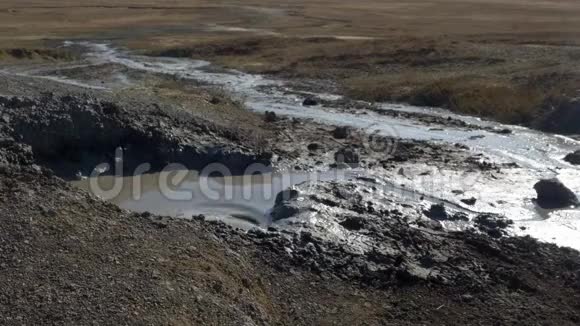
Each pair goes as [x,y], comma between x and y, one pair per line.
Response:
[270,116]
[469,201]
[341,132]
[286,195]
[437,212]
[309,101]
[504,131]
[353,223]
[314,147]
[200,218]
[347,156]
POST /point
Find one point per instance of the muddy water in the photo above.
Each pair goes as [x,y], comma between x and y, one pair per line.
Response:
[539,155]
[241,201]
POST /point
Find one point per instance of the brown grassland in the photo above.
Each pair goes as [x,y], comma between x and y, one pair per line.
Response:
[509,60]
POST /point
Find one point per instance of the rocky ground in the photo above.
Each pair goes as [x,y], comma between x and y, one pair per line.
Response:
[359,250]
[339,252]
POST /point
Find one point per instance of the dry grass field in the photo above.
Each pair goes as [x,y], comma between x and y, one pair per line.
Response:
[502,59]
[532,20]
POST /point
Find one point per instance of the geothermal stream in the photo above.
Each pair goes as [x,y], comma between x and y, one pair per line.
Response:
[538,154]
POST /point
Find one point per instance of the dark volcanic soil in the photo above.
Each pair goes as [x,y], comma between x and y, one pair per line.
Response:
[69,258]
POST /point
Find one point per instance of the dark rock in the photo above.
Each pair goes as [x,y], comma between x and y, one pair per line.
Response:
[314,147]
[286,195]
[469,201]
[562,115]
[146,215]
[461,146]
[258,233]
[573,158]
[159,223]
[504,131]
[110,108]
[341,132]
[430,224]
[48,212]
[459,216]
[437,212]
[492,224]
[200,218]
[401,157]
[493,221]
[215,100]
[270,116]
[284,211]
[347,155]
[309,101]
[353,223]
[553,194]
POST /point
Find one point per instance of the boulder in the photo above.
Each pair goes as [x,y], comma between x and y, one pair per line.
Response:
[341,132]
[310,101]
[573,158]
[553,194]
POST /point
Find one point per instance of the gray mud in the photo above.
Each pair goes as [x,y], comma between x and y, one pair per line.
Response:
[512,157]
[331,249]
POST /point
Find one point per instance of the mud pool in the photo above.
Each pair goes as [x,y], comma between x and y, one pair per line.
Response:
[241,201]
[538,155]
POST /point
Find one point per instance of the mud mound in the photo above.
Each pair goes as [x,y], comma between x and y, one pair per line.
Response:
[562,116]
[573,158]
[344,252]
[71,134]
[351,231]
[44,54]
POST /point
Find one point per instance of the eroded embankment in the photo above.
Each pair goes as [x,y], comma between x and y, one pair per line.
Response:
[73,135]
[36,54]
